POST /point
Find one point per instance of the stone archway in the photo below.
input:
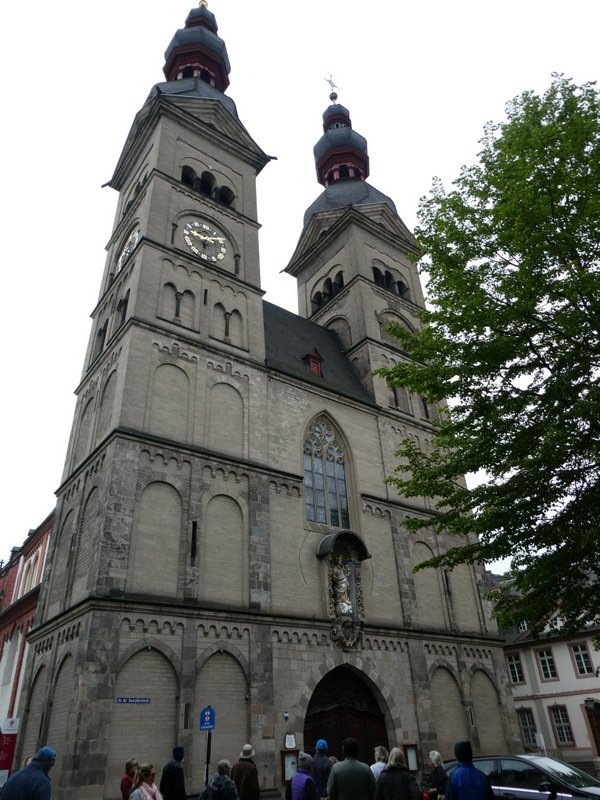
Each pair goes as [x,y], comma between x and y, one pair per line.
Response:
[343,705]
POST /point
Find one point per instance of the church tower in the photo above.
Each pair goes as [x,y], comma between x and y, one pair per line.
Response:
[225,535]
[355,260]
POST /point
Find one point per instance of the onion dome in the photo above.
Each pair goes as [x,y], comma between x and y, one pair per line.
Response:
[196,51]
[341,153]
[342,163]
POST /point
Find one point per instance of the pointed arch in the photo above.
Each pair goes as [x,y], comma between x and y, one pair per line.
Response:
[342,327]
[236,328]
[85,546]
[84,433]
[35,711]
[168,302]
[186,308]
[218,326]
[169,403]
[62,702]
[325,475]
[60,561]
[107,402]
[428,589]
[447,710]
[342,704]
[487,712]
[150,676]
[226,429]
[156,541]
[223,553]
[222,669]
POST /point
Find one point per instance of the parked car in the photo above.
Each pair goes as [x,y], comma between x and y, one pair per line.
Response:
[533,777]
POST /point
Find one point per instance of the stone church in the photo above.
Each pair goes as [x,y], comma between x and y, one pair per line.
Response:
[225,536]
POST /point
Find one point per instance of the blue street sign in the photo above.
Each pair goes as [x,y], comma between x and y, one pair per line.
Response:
[207,719]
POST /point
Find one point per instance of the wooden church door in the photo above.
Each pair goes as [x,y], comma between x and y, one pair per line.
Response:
[342,705]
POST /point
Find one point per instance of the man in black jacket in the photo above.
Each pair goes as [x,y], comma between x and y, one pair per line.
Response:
[172,782]
[321,767]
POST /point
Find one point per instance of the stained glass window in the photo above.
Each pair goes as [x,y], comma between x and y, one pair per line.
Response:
[325,477]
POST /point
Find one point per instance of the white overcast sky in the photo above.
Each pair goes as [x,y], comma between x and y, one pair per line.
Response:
[420,80]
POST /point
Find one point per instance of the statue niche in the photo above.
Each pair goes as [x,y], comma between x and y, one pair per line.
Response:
[341,554]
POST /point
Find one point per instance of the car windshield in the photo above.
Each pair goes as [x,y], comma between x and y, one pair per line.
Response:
[565,772]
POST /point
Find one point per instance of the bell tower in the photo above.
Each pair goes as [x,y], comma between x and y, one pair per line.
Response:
[354,261]
[182,270]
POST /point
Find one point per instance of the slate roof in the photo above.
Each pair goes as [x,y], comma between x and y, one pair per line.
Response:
[193,87]
[290,338]
[347,193]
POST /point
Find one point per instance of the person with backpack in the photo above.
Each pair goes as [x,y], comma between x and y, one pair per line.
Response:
[220,786]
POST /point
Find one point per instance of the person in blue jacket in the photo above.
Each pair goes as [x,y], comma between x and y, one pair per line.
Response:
[31,782]
[466,782]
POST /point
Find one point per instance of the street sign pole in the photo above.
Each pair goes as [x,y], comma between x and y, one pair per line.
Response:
[208,735]
[207,723]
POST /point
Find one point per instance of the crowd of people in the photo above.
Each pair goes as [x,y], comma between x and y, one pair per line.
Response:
[388,778]
[321,777]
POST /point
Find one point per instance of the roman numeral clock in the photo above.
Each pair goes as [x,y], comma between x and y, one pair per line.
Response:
[205,240]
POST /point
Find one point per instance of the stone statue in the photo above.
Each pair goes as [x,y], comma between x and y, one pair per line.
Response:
[341,590]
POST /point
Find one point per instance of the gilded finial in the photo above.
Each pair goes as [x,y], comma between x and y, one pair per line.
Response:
[333,96]
[203,4]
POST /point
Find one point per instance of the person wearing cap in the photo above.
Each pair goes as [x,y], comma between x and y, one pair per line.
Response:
[172,781]
[467,782]
[303,785]
[245,775]
[321,767]
[351,779]
[32,782]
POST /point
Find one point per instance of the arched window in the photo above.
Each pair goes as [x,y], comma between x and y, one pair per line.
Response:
[205,184]
[226,196]
[378,277]
[317,301]
[187,72]
[344,172]
[325,477]
[338,283]
[188,176]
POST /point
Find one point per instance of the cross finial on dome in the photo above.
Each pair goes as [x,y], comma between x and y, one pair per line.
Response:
[333,96]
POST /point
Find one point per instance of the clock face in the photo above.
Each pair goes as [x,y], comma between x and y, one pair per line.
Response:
[128,249]
[205,241]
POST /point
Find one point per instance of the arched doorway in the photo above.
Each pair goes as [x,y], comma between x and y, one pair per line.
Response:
[343,705]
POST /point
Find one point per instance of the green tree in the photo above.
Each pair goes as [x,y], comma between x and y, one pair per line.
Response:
[511,340]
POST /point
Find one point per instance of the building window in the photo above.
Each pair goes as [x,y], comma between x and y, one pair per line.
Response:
[561,725]
[581,656]
[547,665]
[515,668]
[325,477]
[527,724]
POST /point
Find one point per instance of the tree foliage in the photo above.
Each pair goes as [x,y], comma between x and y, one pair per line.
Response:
[511,339]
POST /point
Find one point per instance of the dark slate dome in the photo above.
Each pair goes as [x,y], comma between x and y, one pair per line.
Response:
[336,115]
[339,137]
[197,51]
[347,193]
[199,35]
[193,87]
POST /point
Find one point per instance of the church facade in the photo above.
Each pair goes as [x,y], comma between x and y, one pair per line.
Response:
[224,535]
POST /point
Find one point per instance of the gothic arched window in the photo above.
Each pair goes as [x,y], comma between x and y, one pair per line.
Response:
[325,477]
